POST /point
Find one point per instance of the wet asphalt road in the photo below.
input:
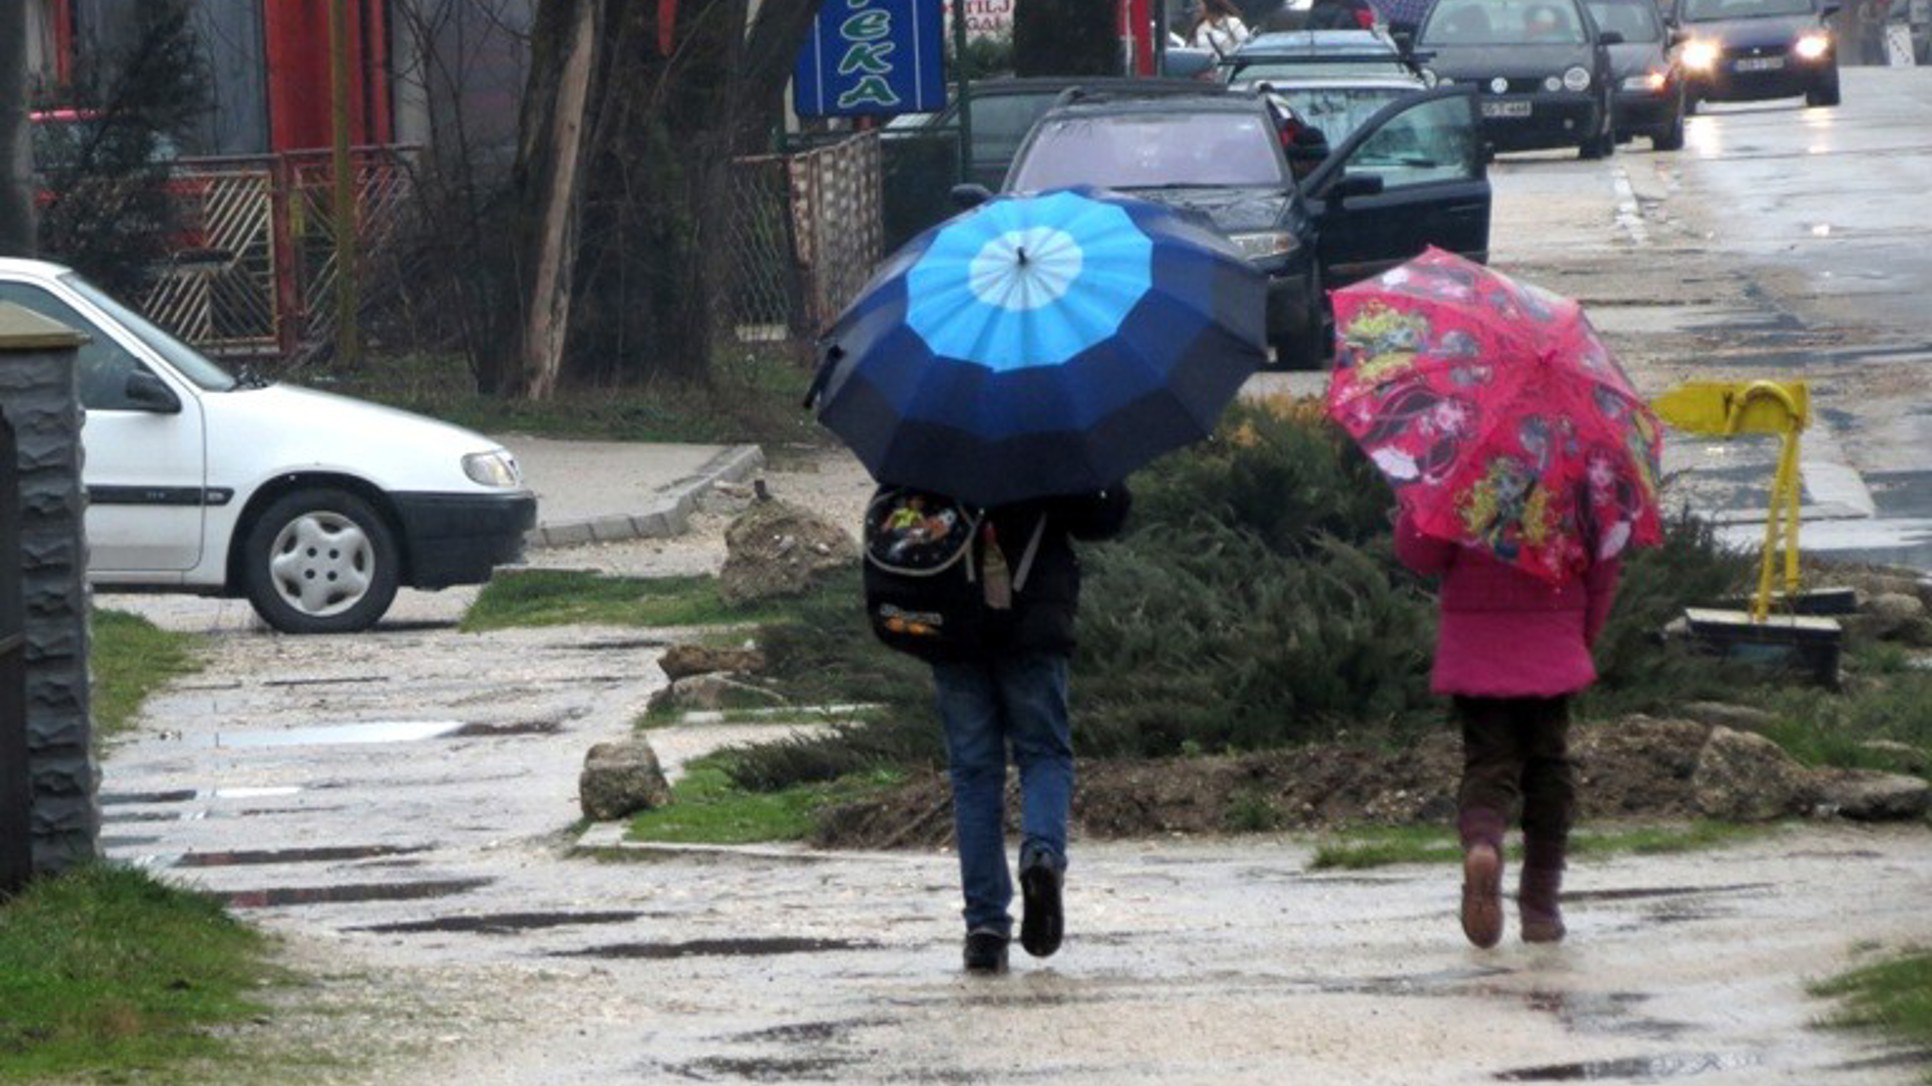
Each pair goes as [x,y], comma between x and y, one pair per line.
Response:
[401,805]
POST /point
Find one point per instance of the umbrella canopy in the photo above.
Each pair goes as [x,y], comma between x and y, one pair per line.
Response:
[1500,417]
[1041,345]
[1407,13]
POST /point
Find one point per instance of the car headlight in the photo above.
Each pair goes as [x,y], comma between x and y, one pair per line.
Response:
[497,468]
[1699,55]
[1576,80]
[1261,246]
[1651,82]
[1552,83]
[1811,45]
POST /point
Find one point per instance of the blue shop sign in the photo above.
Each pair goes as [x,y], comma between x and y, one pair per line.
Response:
[872,57]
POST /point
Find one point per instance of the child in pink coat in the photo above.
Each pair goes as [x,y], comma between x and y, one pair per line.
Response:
[1510,649]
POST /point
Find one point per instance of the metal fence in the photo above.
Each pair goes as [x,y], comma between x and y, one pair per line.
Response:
[257,266]
[807,230]
[258,269]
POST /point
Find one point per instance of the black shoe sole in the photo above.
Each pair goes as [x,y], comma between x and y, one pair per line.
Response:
[1044,923]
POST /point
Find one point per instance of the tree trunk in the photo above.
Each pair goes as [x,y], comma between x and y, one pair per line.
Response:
[552,163]
[1066,37]
[623,185]
[16,154]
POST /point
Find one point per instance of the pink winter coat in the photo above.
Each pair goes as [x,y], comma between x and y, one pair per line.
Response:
[1505,633]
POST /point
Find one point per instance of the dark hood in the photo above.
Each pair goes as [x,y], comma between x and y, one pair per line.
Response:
[1231,210]
[1469,62]
[1748,33]
[1635,58]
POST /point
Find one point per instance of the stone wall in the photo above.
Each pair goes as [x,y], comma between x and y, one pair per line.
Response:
[37,397]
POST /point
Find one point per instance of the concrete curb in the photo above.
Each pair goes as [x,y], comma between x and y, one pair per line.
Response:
[669,512]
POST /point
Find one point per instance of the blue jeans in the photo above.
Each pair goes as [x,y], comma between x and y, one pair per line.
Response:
[986,705]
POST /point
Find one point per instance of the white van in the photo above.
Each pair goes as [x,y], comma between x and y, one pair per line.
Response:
[316,507]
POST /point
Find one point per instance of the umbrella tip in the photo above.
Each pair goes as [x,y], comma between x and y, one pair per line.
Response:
[1020,251]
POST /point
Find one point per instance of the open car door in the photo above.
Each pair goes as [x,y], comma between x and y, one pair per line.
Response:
[1413,175]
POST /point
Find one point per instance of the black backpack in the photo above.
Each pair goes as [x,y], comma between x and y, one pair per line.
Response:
[927,576]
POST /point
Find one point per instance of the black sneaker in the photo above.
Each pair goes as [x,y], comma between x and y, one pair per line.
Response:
[985,953]
[1043,922]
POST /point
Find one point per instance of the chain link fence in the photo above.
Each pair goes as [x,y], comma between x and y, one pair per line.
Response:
[807,228]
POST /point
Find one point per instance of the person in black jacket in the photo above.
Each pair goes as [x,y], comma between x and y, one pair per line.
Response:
[1013,693]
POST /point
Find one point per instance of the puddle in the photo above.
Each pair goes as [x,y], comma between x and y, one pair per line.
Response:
[117,799]
[763,1068]
[392,731]
[535,727]
[501,923]
[323,854]
[622,644]
[806,1032]
[319,895]
[720,948]
[1641,1068]
[188,795]
[1636,893]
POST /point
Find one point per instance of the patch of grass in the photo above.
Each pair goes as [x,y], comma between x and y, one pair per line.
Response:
[1380,846]
[707,808]
[130,658]
[751,396]
[560,597]
[108,976]
[1893,997]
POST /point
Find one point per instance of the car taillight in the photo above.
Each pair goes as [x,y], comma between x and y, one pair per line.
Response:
[1365,18]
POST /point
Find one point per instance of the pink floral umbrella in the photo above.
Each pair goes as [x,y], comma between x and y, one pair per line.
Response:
[1502,420]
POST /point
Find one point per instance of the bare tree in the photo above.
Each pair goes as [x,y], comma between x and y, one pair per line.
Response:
[631,115]
[16,181]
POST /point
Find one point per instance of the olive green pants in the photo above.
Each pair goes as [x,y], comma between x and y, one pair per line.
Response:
[1517,750]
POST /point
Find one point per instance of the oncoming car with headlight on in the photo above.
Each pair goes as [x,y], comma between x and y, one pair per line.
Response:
[315,507]
[1542,66]
[1746,50]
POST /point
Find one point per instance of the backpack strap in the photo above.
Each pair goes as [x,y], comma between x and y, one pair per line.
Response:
[1026,558]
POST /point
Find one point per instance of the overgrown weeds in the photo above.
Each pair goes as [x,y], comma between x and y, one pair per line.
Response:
[131,657]
[104,970]
[1893,997]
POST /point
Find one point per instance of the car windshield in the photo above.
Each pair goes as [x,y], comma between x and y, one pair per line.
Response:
[1637,21]
[1503,22]
[1338,111]
[182,357]
[1707,10]
[1153,150]
[1249,71]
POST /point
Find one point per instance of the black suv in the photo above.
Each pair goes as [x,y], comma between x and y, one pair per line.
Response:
[1412,175]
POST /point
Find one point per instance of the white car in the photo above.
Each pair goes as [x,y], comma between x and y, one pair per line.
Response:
[316,507]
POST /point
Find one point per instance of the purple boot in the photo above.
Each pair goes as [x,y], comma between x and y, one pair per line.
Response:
[1539,888]
[1481,830]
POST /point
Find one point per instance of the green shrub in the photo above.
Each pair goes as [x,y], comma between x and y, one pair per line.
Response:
[1199,634]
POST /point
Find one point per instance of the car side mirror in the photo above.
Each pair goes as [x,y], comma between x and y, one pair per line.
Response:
[1353,185]
[149,393]
[970,195]
[1404,40]
[1611,37]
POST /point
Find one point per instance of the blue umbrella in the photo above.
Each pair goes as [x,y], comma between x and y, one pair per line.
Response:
[1040,345]
[1407,13]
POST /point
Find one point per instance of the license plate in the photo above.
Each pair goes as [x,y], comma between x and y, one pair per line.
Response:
[1760,64]
[1506,109]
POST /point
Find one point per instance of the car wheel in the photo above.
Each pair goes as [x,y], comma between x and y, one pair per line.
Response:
[1826,92]
[1672,137]
[320,561]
